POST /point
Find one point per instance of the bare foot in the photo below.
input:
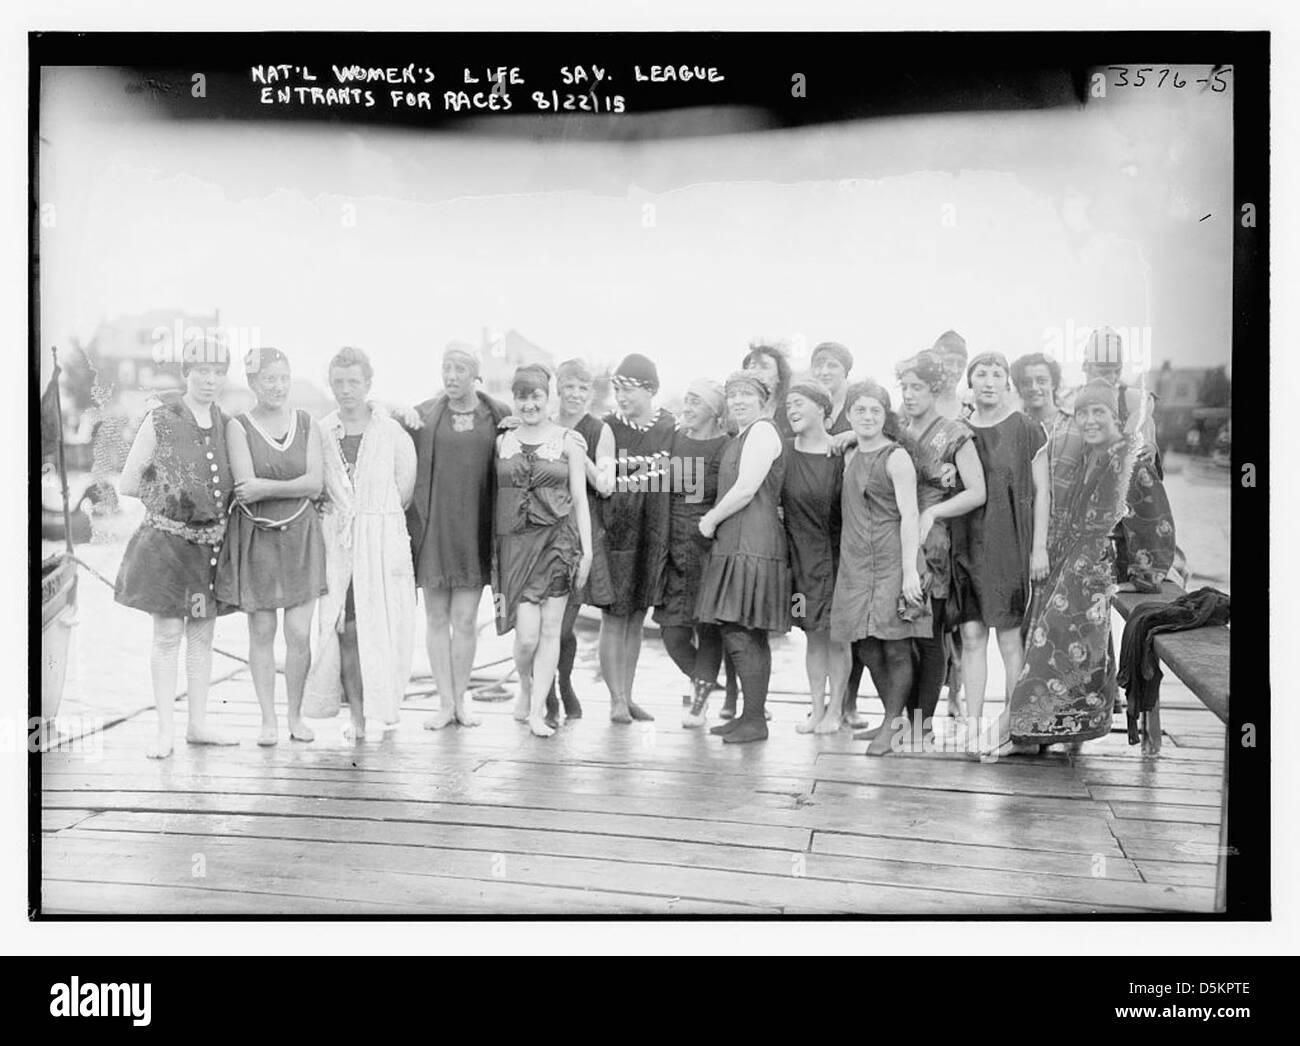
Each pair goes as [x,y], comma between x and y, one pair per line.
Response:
[881,744]
[619,712]
[439,719]
[537,725]
[829,725]
[300,731]
[746,730]
[160,747]
[856,720]
[867,735]
[1007,748]
[268,736]
[464,717]
[809,725]
[638,713]
[523,707]
[203,734]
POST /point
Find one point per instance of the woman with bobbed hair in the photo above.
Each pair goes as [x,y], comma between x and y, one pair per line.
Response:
[769,360]
[450,524]
[810,505]
[941,446]
[179,466]
[365,632]
[878,604]
[1000,548]
[574,386]
[542,538]
[696,454]
[745,587]
[274,556]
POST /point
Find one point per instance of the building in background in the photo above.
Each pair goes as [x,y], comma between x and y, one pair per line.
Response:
[1193,406]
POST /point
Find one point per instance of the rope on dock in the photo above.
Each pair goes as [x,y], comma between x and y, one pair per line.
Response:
[244,661]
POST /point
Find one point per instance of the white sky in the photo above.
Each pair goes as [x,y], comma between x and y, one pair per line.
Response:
[1063,219]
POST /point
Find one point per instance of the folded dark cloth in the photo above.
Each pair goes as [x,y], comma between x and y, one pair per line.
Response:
[1139,667]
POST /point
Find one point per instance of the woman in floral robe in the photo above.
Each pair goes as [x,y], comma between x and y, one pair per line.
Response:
[1116,533]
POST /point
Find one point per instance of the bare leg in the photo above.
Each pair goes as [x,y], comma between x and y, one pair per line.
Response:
[167,632]
[545,659]
[1013,660]
[297,661]
[815,663]
[849,698]
[350,670]
[198,678]
[613,629]
[437,639]
[975,673]
[528,634]
[631,655]
[464,642]
[261,666]
[839,658]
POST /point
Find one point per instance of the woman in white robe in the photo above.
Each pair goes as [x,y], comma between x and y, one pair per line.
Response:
[363,645]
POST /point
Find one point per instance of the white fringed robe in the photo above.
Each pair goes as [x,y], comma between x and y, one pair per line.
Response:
[367,544]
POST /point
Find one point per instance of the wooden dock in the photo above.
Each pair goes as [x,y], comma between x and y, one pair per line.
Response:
[607,820]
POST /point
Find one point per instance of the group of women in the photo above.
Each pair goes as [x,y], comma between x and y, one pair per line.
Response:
[769,501]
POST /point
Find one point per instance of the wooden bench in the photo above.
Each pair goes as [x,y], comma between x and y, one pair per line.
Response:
[1199,657]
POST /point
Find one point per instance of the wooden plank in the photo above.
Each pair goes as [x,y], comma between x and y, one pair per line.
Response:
[878,811]
[746,807]
[1159,774]
[1174,831]
[1199,657]
[587,790]
[70,897]
[1164,841]
[1211,742]
[258,761]
[783,883]
[969,855]
[440,814]
[645,776]
[1159,796]
[1145,848]
[1000,778]
[1186,760]
[1178,873]
[57,820]
[1100,892]
[1157,812]
[1126,602]
[318,874]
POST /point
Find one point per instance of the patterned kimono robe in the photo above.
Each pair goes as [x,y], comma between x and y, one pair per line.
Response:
[1116,524]
[367,546]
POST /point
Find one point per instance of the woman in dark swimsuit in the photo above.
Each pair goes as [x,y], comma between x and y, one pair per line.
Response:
[746,587]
